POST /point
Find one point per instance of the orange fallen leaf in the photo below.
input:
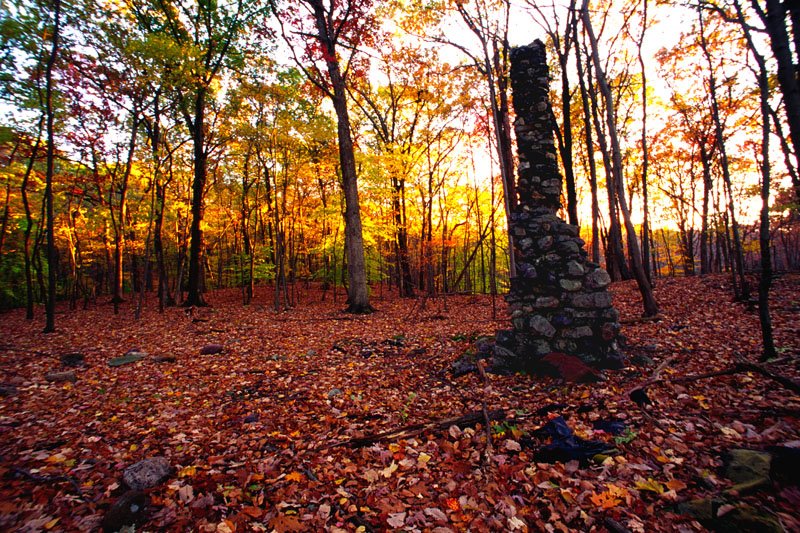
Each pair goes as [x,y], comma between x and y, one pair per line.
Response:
[252,511]
[294,476]
[675,484]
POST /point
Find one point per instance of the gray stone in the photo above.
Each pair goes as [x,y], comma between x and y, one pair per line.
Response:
[569,229]
[546,302]
[73,359]
[747,466]
[611,314]
[535,348]
[542,326]
[566,346]
[570,285]
[211,349]
[545,243]
[575,269]
[598,279]
[592,300]
[130,357]
[147,473]
[568,248]
[60,377]
[526,243]
[579,332]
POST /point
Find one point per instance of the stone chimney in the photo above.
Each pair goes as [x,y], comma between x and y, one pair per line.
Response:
[559,301]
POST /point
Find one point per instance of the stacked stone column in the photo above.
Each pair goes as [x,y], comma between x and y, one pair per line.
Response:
[559,301]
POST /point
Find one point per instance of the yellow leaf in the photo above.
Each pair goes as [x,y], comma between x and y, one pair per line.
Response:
[701,400]
[56,458]
[187,471]
[134,447]
[650,485]
[389,470]
[294,476]
[51,523]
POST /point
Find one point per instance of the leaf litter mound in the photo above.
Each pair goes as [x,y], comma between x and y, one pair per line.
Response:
[312,420]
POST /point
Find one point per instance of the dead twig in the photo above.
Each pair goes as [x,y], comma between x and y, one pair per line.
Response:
[410,431]
[741,367]
[50,479]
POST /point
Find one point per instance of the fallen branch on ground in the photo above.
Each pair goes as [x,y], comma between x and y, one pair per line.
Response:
[739,367]
[50,479]
[470,419]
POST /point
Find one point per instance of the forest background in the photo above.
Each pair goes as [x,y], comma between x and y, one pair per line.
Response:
[178,147]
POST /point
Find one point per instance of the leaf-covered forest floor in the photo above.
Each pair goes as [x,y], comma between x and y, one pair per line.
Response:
[257,435]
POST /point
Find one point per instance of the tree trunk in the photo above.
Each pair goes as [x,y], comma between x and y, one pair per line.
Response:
[775,20]
[726,175]
[645,154]
[648,299]
[29,297]
[615,256]
[705,256]
[765,282]
[194,296]
[358,294]
[52,257]
[587,124]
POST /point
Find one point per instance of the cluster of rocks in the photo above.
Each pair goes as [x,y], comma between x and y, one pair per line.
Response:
[559,301]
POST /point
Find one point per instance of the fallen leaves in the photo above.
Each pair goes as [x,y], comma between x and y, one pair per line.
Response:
[246,428]
[610,498]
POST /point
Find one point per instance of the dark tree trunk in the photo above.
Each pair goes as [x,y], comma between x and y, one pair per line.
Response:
[776,21]
[648,299]
[52,256]
[358,293]
[194,296]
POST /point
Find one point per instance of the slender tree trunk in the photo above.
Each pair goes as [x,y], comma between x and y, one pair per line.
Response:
[765,282]
[29,296]
[705,256]
[52,256]
[645,154]
[194,296]
[358,293]
[404,280]
[726,175]
[648,299]
[776,23]
[615,256]
[587,124]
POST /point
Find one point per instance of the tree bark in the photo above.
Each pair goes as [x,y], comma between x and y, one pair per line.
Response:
[52,256]
[358,294]
[648,299]
[775,20]
[194,296]
[765,283]
[738,261]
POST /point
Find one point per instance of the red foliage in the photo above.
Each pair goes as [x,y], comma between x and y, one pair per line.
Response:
[251,432]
